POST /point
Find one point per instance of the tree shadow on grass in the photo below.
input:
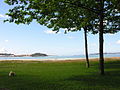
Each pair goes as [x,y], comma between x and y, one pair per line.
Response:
[78,82]
[109,81]
[112,65]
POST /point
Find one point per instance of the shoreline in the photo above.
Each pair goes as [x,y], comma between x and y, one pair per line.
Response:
[59,60]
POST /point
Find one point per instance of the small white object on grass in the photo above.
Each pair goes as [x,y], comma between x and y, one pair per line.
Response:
[11,74]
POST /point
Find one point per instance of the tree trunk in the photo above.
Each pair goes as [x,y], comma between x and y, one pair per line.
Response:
[86,48]
[101,57]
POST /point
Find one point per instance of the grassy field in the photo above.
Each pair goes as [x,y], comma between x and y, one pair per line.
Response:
[59,76]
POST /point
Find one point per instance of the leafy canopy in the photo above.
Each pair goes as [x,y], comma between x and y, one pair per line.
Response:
[71,15]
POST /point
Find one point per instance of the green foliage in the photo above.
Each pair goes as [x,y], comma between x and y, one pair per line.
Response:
[71,15]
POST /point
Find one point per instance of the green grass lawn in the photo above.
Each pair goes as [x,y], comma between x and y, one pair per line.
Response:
[59,76]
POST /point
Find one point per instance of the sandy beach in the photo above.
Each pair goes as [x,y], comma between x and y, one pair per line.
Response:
[59,60]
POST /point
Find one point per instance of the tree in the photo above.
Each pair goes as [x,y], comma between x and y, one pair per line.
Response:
[102,16]
[86,48]
[50,25]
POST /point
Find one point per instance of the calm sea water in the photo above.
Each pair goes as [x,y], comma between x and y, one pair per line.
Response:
[58,57]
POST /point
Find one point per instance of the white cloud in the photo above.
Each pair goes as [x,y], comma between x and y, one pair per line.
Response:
[118,42]
[64,29]
[50,32]
[3,50]
[111,34]
[3,16]
[6,40]
[67,29]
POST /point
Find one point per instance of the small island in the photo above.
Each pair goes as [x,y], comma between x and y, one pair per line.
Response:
[38,54]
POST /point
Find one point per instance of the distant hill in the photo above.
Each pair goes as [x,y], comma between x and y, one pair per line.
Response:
[105,53]
[38,54]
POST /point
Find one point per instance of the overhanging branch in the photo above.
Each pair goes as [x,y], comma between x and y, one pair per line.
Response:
[96,11]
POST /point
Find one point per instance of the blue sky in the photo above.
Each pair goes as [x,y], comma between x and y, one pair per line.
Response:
[27,39]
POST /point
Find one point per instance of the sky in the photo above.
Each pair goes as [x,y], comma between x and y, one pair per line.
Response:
[35,38]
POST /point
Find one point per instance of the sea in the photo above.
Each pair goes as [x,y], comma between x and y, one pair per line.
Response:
[57,57]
